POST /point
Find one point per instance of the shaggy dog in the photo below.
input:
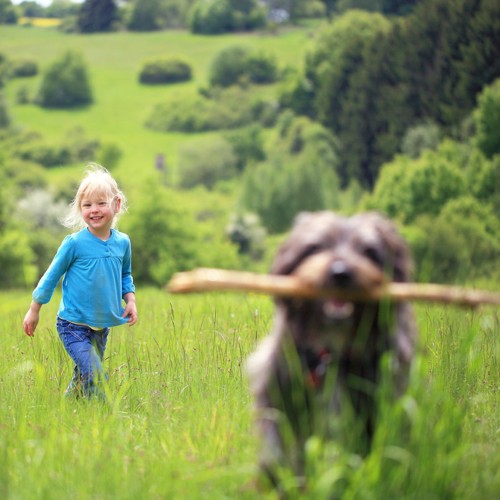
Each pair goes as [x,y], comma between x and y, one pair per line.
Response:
[323,356]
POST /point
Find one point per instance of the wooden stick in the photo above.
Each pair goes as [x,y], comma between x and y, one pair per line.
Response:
[203,279]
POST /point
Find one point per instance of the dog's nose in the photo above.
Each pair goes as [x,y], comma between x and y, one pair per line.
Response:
[340,273]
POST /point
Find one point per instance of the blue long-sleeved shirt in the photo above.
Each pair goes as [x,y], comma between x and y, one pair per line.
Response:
[96,275]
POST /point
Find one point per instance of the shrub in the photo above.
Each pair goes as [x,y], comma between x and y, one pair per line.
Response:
[261,67]
[65,83]
[225,109]
[206,161]
[165,71]
[234,64]
[228,66]
[211,17]
[24,68]
[487,120]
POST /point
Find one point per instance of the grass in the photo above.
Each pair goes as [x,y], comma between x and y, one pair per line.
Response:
[179,423]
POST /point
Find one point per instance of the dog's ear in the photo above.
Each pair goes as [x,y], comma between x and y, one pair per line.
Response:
[400,259]
[289,253]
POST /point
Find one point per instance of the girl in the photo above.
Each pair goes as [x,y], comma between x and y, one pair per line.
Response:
[95,264]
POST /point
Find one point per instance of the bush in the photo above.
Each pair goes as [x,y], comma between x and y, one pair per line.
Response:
[234,64]
[24,68]
[165,71]
[225,109]
[206,161]
[228,66]
[65,83]
[487,120]
[211,17]
[462,243]
[299,175]
[261,67]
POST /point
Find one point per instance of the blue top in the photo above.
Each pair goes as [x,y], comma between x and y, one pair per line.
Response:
[97,274]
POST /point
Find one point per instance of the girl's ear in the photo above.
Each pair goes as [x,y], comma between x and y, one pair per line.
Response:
[118,204]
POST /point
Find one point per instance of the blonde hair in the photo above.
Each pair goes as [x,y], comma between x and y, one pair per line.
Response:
[97,182]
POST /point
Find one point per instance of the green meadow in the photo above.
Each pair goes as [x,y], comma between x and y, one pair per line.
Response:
[122,104]
[179,419]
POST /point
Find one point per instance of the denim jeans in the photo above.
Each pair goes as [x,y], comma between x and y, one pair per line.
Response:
[86,348]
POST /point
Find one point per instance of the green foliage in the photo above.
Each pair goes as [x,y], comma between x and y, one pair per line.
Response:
[65,83]
[163,239]
[212,17]
[247,144]
[146,15]
[336,69]
[206,161]
[462,242]
[23,68]
[4,112]
[409,188]
[236,63]
[245,231]
[420,138]
[299,175]
[8,13]
[161,71]
[97,16]
[484,180]
[166,238]
[223,109]
[487,120]
[75,147]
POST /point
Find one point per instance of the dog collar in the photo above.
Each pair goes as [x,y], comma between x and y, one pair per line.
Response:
[317,364]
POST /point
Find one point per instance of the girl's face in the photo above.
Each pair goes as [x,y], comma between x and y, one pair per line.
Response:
[98,213]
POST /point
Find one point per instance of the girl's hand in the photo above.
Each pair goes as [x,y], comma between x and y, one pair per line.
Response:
[130,310]
[31,319]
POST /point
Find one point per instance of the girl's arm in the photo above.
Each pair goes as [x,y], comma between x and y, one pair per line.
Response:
[31,319]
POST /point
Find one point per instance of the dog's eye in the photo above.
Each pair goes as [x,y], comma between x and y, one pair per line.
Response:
[374,255]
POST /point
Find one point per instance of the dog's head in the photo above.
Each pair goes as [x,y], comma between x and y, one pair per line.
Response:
[355,254]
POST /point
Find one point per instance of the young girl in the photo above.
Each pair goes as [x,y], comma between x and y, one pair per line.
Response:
[95,264]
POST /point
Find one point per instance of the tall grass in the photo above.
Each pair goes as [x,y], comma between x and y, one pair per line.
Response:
[179,421]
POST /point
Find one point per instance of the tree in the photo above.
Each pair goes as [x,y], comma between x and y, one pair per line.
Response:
[97,15]
[8,14]
[146,15]
[343,93]
[409,188]
[65,83]
[487,120]
[299,175]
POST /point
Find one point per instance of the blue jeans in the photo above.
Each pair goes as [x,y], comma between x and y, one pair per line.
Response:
[86,348]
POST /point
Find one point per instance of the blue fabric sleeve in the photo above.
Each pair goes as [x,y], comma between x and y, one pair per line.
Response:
[59,265]
[127,280]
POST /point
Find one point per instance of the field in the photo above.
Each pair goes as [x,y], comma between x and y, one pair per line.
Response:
[122,105]
[179,422]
